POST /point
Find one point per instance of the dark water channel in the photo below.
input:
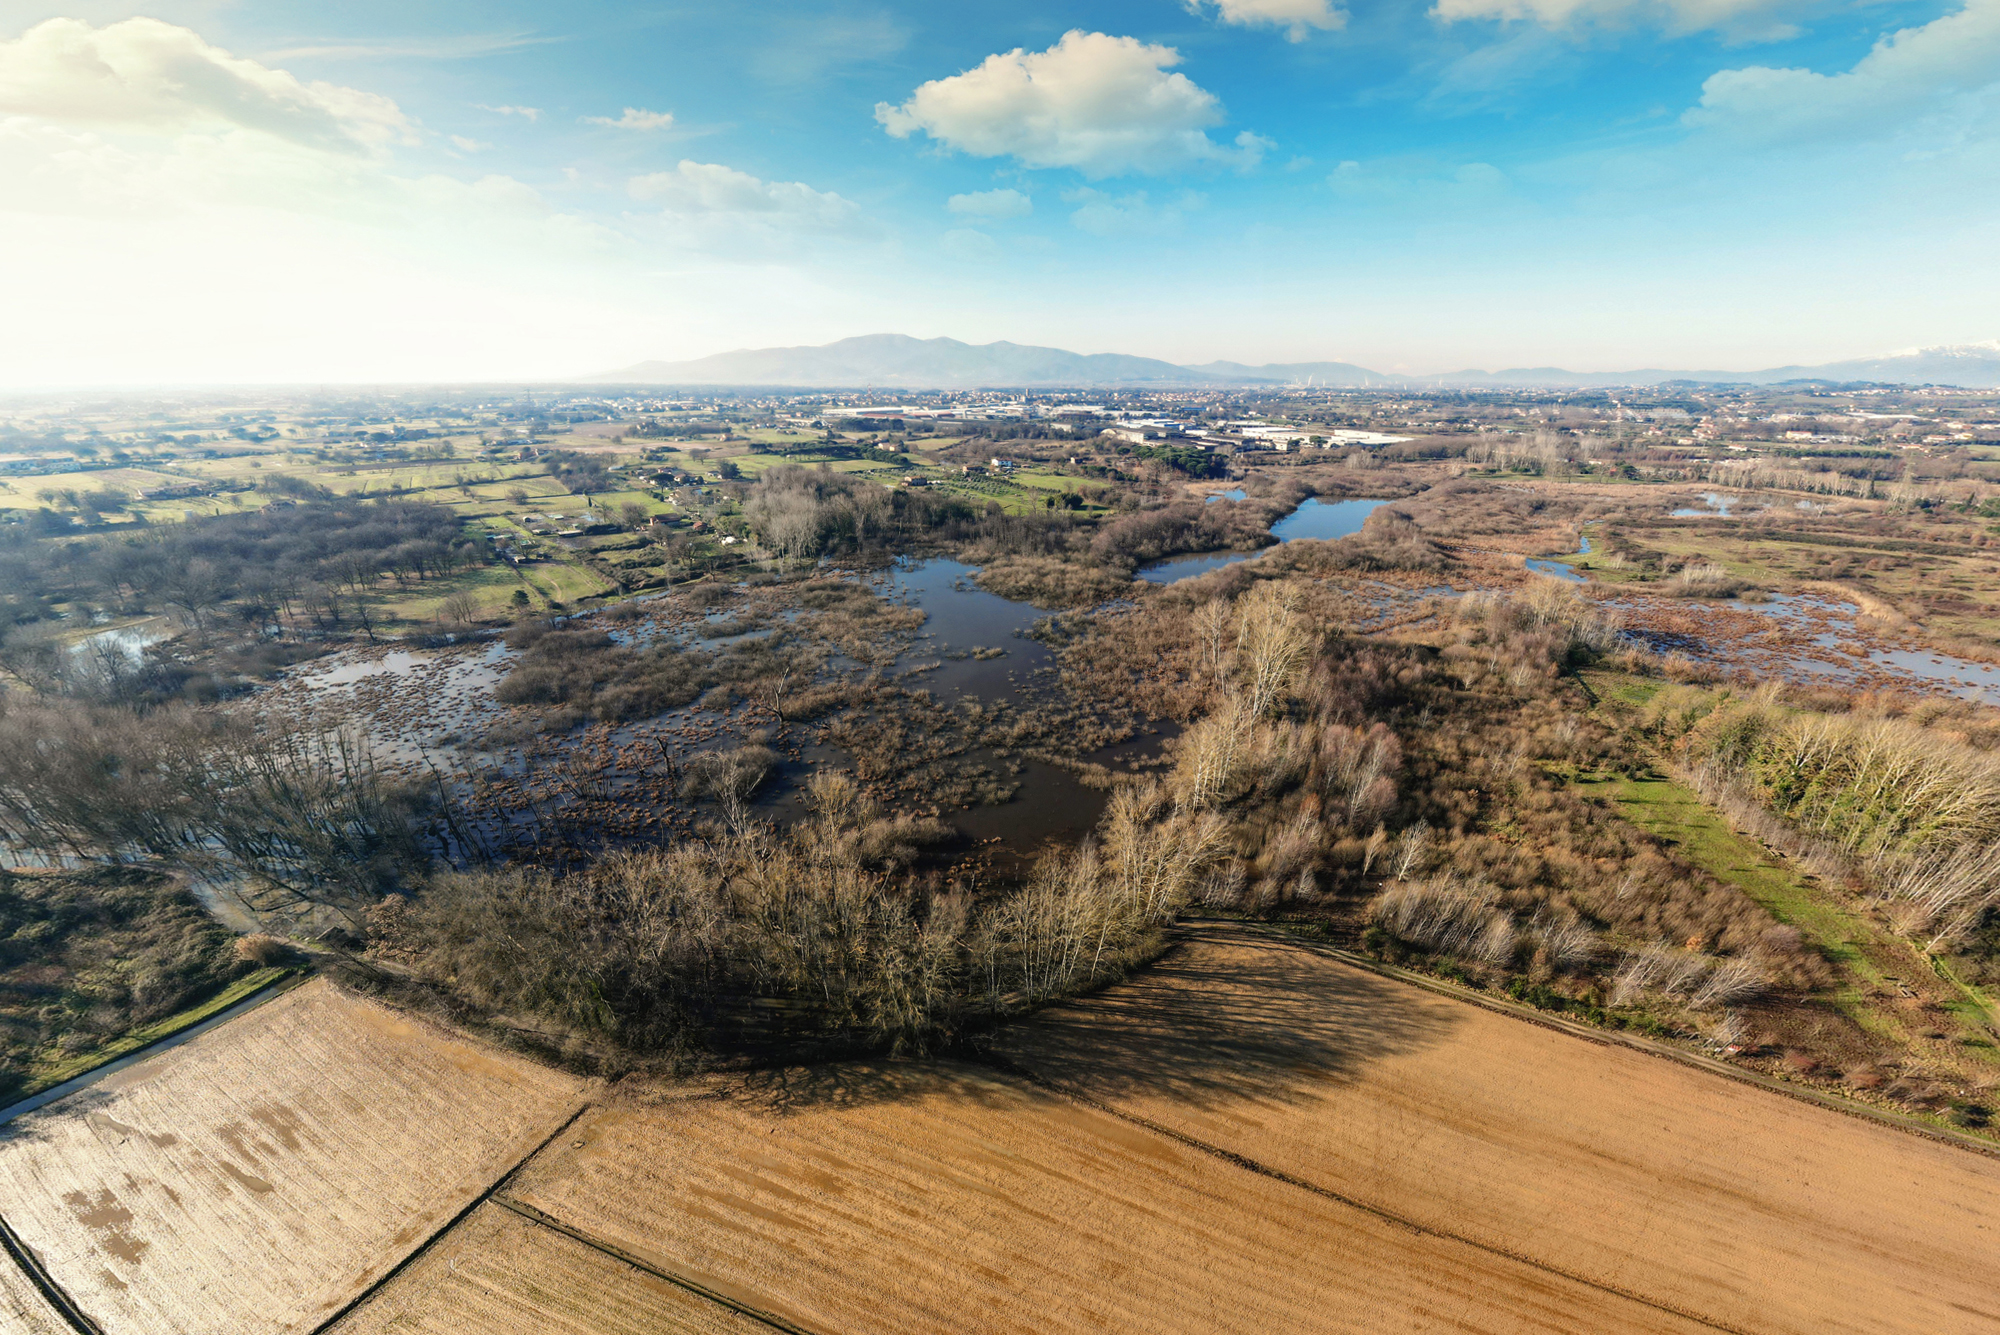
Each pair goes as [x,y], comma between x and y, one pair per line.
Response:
[973,645]
[1314,518]
[1051,804]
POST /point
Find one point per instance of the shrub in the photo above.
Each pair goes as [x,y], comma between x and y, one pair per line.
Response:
[263,950]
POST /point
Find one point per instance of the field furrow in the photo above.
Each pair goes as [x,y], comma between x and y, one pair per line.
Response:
[259,1177]
[1759,1212]
[948,1198]
[497,1272]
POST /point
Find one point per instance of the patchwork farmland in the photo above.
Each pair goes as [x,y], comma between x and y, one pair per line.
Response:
[1252,1135]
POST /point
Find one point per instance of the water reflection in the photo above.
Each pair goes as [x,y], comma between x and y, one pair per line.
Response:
[1714,505]
[1313,519]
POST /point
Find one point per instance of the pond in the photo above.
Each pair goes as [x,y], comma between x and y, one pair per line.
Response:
[1714,505]
[1804,639]
[1313,519]
[132,641]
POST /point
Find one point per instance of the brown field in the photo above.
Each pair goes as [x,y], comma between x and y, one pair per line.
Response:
[946,1198]
[1751,1210]
[23,1311]
[499,1273]
[1250,1136]
[263,1175]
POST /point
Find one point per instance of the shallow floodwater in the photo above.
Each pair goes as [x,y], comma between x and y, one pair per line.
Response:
[132,641]
[1542,566]
[962,618]
[1050,803]
[1714,505]
[1815,640]
[1314,518]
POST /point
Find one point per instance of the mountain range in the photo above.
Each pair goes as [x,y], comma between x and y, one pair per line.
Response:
[896,361]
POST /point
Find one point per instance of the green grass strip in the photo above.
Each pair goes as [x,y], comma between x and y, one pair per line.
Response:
[1675,816]
[247,986]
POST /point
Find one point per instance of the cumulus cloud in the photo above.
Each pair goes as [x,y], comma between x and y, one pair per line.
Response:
[635,118]
[1908,74]
[991,204]
[1755,20]
[1296,17]
[710,190]
[526,113]
[149,76]
[1103,105]
[465,145]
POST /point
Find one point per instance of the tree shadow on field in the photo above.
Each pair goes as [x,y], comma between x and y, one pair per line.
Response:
[1230,1016]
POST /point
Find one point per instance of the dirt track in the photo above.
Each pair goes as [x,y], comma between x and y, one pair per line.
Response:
[1757,1212]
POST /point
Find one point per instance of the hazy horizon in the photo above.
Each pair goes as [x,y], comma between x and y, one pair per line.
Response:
[208,194]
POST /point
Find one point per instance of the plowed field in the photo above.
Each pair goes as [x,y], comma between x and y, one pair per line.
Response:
[257,1178]
[1250,1136]
[499,1274]
[1752,1210]
[948,1199]
[22,1309]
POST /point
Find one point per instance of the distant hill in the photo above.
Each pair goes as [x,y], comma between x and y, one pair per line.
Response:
[1334,375]
[896,361]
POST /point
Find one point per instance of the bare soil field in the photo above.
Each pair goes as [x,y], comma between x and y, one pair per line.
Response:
[1251,1136]
[498,1272]
[261,1176]
[1749,1210]
[949,1198]
[23,1311]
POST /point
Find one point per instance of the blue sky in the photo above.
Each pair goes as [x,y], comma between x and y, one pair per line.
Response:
[206,191]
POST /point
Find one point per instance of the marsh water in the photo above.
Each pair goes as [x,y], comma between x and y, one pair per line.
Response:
[1314,518]
[975,644]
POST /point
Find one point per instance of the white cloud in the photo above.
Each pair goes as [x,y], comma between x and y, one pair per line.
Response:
[464,145]
[1750,20]
[635,118]
[1103,105]
[991,204]
[464,46]
[1420,182]
[1129,215]
[1296,17]
[708,190]
[1908,74]
[965,243]
[526,113]
[149,76]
